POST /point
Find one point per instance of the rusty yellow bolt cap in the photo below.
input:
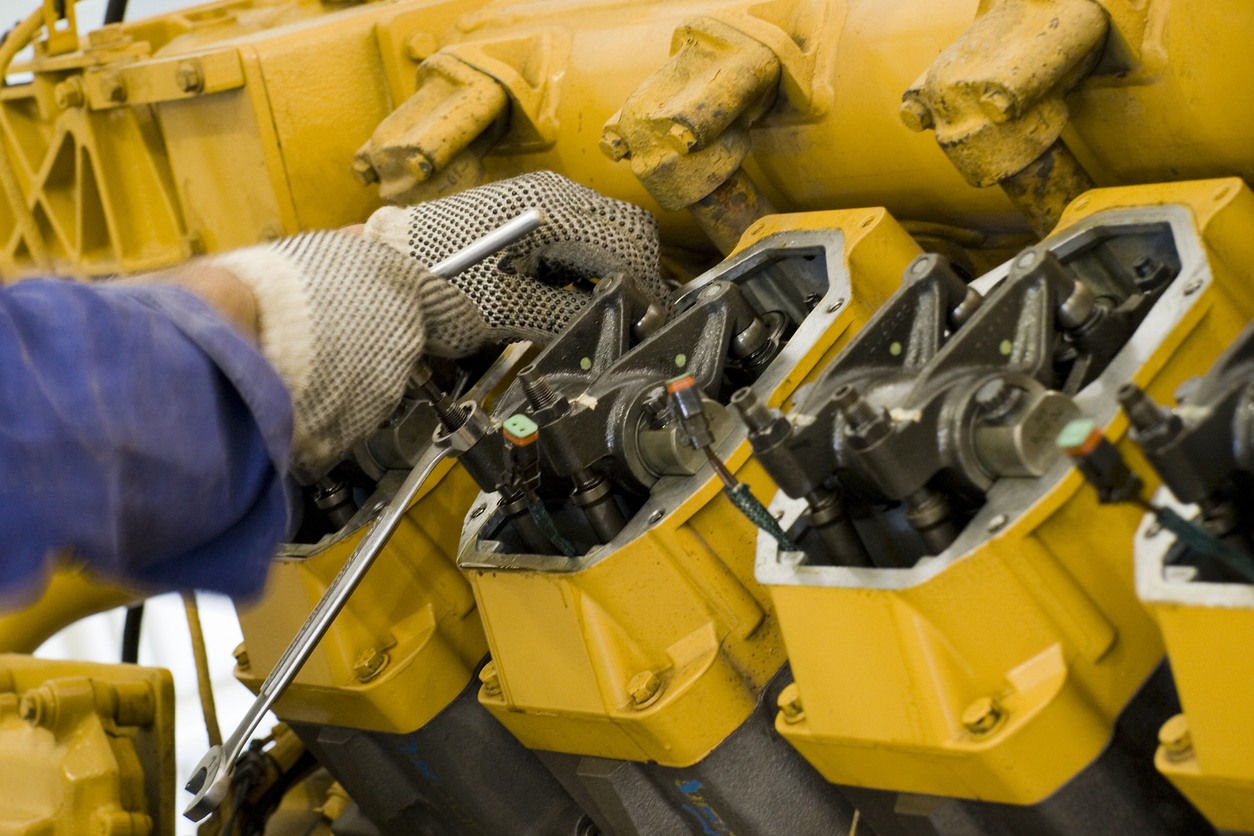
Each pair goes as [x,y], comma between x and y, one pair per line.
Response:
[614,146]
[915,115]
[644,689]
[789,703]
[983,715]
[1175,738]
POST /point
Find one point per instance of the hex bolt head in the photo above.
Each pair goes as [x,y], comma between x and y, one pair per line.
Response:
[241,657]
[490,679]
[997,398]
[189,77]
[997,105]
[1175,738]
[684,138]
[915,115]
[644,689]
[370,664]
[614,146]
[983,716]
[113,87]
[789,703]
[69,93]
[364,172]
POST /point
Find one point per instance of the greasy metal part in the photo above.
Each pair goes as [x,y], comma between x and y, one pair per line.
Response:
[85,748]
[430,780]
[1040,553]
[998,111]
[929,514]
[211,777]
[335,499]
[725,213]
[592,494]
[1043,188]
[750,783]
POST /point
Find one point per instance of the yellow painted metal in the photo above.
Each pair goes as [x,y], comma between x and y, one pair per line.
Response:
[125,186]
[413,615]
[72,593]
[1000,677]
[658,650]
[409,638]
[85,748]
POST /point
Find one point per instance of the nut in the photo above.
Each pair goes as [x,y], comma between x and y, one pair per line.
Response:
[241,656]
[491,680]
[789,703]
[983,716]
[189,77]
[997,105]
[369,664]
[683,137]
[69,93]
[1175,738]
[644,689]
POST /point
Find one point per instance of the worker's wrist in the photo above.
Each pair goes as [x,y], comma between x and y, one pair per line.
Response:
[229,296]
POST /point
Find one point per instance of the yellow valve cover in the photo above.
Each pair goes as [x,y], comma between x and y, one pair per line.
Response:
[655,647]
[996,670]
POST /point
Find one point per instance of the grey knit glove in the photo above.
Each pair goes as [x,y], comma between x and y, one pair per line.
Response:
[522,292]
[343,320]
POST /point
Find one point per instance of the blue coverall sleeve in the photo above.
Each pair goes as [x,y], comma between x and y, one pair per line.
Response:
[140,430]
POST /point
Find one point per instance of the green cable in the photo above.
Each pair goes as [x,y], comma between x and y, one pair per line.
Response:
[749,505]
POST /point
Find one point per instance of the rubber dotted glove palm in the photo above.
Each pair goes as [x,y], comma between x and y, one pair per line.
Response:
[343,321]
[530,290]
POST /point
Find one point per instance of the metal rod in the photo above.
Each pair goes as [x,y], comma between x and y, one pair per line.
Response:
[495,241]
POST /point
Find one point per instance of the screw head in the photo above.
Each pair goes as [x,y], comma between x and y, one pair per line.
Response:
[188,76]
[1193,287]
[997,523]
[789,703]
[983,716]
[370,664]
[490,679]
[644,689]
[656,516]
[837,305]
[1175,738]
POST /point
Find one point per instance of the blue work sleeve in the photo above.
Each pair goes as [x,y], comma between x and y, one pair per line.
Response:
[141,431]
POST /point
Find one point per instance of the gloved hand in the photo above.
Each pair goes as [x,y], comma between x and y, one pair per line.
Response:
[521,291]
[343,319]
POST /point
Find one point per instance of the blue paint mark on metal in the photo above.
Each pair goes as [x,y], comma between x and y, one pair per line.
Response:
[426,770]
[689,786]
[705,828]
[409,745]
[712,823]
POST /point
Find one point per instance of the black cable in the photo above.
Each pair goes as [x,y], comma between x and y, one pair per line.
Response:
[130,634]
[115,11]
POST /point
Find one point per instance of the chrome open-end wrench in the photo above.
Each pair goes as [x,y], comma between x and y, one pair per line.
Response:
[212,776]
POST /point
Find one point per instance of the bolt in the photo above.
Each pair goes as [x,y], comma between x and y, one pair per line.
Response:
[996,524]
[36,709]
[684,137]
[866,424]
[134,704]
[614,146]
[997,105]
[1175,738]
[540,393]
[915,115]
[420,47]
[188,76]
[656,516]
[478,511]
[241,656]
[491,680]
[982,716]
[113,87]
[370,664]
[789,703]
[1193,287]
[1154,529]
[364,172]
[644,689]
[69,93]
[837,305]
[1152,422]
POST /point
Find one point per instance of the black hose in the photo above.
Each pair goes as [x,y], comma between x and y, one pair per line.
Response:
[115,11]
[130,634]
